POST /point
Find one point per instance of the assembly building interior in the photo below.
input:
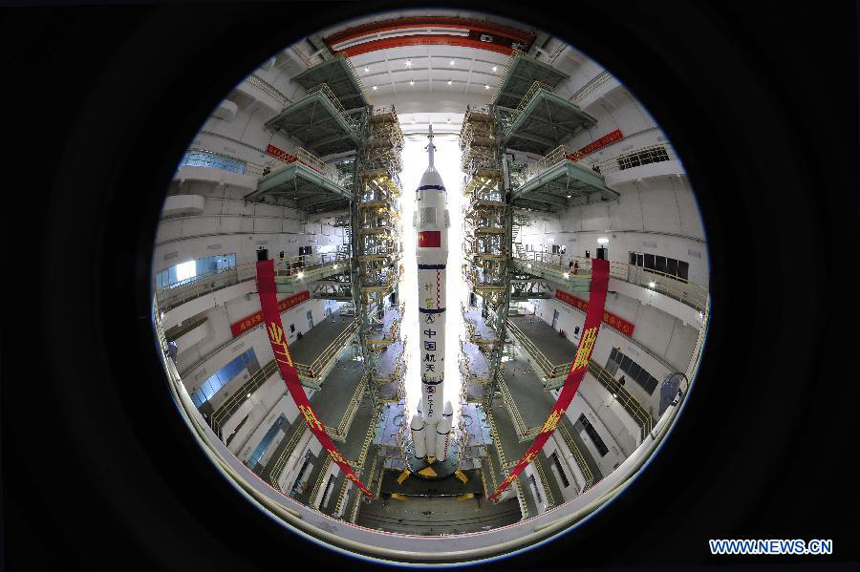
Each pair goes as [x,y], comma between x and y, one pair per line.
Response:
[313,162]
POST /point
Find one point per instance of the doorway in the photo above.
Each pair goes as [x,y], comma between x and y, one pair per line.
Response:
[554,318]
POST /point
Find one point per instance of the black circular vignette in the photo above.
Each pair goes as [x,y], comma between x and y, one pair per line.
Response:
[117,93]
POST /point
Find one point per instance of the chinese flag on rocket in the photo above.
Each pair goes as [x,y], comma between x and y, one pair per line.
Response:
[287,369]
[430,239]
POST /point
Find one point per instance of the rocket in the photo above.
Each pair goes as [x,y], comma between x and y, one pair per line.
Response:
[432,222]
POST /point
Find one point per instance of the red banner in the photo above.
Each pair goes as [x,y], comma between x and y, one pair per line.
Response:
[278,339]
[595,145]
[599,284]
[430,238]
[280,154]
[249,322]
[609,318]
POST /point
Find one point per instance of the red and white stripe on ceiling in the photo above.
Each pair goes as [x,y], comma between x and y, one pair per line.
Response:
[428,31]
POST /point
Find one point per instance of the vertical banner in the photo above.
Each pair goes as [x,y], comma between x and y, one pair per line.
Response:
[278,339]
[593,317]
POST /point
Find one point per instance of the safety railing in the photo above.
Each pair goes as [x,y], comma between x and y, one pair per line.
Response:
[314,369]
[192,288]
[286,452]
[349,415]
[230,405]
[547,162]
[635,158]
[504,78]
[309,160]
[635,409]
[520,425]
[591,86]
[578,457]
[268,88]
[547,368]
[326,91]
[533,90]
[690,293]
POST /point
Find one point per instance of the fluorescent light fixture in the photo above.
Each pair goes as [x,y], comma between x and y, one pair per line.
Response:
[451,63]
[568,196]
[411,82]
[495,68]
[335,266]
[301,275]
[374,88]
[409,63]
[486,86]
[449,82]
[602,240]
[248,396]
[366,69]
[651,284]
[566,275]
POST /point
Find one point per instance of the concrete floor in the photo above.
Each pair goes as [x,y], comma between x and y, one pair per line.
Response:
[530,399]
[338,390]
[318,338]
[437,515]
[482,330]
[558,350]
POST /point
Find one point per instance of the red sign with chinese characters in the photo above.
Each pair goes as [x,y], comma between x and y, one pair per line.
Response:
[609,318]
[280,154]
[249,322]
[599,284]
[595,145]
[287,369]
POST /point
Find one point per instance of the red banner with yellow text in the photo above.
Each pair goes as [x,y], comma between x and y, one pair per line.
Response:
[249,322]
[607,139]
[287,369]
[599,284]
[609,318]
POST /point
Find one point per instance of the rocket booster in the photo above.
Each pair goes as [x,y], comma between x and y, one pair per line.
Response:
[432,222]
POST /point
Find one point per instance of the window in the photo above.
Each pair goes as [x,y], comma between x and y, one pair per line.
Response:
[535,489]
[185,272]
[642,157]
[634,371]
[594,436]
[668,266]
[198,158]
[267,440]
[225,375]
[558,466]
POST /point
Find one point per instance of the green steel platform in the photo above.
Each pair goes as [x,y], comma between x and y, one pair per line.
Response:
[310,189]
[316,121]
[549,191]
[545,121]
[522,72]
[339,76]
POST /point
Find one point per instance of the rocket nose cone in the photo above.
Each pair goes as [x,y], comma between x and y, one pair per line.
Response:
[417,423]
[449,409]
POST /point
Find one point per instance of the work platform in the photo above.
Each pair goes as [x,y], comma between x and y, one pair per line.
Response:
[544,121]
[317,351]
[542,267]
[521,73]
[338,75]
[480,333]
[476,373]
[552,187]
[320,122]
[309,188]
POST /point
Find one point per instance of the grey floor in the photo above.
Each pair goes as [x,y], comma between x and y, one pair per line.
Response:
[482,330]
[437,515]
[331,402]
[318,338]
[530,398]
[391,315]
[558,350]
[387,358]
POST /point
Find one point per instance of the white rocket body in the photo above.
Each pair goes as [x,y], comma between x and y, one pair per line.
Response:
[432,222]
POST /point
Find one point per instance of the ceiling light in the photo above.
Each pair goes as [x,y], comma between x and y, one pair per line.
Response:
[451,63]
[248,396]
[495,68]
[335,266]
[566,275]
[374,88]
[411,82]
[301,275]
[486,86]
[602,240]
[449,82]
[366,69]
[651,284]
[568,196]
[529,265]
[409,63]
